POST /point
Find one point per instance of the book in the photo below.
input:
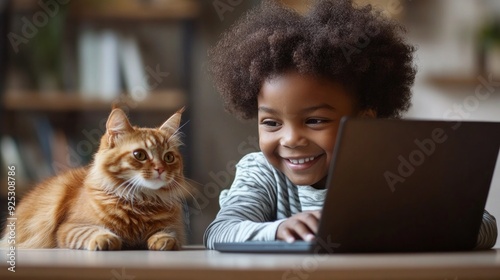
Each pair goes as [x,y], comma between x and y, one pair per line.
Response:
[88,62]
[133,69]
[108,60]
[108,66]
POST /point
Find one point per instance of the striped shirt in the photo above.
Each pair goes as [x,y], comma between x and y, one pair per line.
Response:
[261,197]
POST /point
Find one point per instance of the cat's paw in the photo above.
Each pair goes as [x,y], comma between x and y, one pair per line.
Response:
[163,242]
[104,242]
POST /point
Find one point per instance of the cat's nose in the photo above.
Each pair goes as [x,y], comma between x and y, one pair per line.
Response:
[159,170]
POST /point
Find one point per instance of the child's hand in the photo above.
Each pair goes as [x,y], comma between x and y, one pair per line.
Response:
[299,226]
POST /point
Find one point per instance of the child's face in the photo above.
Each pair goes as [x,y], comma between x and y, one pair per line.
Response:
[298,121]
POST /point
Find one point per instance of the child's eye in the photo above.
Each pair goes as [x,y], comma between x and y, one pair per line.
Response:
[316,121]
[270,123]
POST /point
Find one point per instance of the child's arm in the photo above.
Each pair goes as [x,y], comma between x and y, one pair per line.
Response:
[249,208]
[488,232]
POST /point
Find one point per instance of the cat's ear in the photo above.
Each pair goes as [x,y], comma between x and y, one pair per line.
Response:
[117,125]
[174,121]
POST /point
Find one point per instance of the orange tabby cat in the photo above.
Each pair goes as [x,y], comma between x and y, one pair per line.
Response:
[130,196]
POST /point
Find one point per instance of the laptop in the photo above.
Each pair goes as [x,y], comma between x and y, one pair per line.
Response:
[400,186]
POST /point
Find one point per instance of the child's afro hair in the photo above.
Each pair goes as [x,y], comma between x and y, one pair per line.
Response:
[357,47]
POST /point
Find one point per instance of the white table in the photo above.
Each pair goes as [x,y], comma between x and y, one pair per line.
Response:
[196,263]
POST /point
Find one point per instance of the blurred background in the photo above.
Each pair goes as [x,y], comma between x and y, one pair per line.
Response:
[64,63]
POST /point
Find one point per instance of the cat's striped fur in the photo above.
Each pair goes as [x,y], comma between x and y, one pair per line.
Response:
[130,196]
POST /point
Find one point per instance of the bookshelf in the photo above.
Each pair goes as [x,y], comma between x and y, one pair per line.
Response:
[168,100]
[69,110]
[452,81]
[119,10]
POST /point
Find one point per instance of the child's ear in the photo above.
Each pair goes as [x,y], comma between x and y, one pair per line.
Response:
[368,113]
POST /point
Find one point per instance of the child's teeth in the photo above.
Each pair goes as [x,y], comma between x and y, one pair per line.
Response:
[301,161]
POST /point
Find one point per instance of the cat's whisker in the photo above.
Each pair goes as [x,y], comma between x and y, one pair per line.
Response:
[114,187]
[177,190]
[182,187]
[120,191]
[188,184]
[122,188]
[177,134]
[130,185]
[131,194]
[193,189]
[129,199]
[116,190]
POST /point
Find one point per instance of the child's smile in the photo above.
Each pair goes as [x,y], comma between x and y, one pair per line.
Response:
[298,121]
[301,164]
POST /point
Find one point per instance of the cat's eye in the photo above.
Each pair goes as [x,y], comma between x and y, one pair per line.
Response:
[140,155]
[169,157]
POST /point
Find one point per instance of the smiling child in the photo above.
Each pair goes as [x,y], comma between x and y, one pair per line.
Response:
[298,75]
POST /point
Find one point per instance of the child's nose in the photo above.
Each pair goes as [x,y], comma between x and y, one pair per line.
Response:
[293,138]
